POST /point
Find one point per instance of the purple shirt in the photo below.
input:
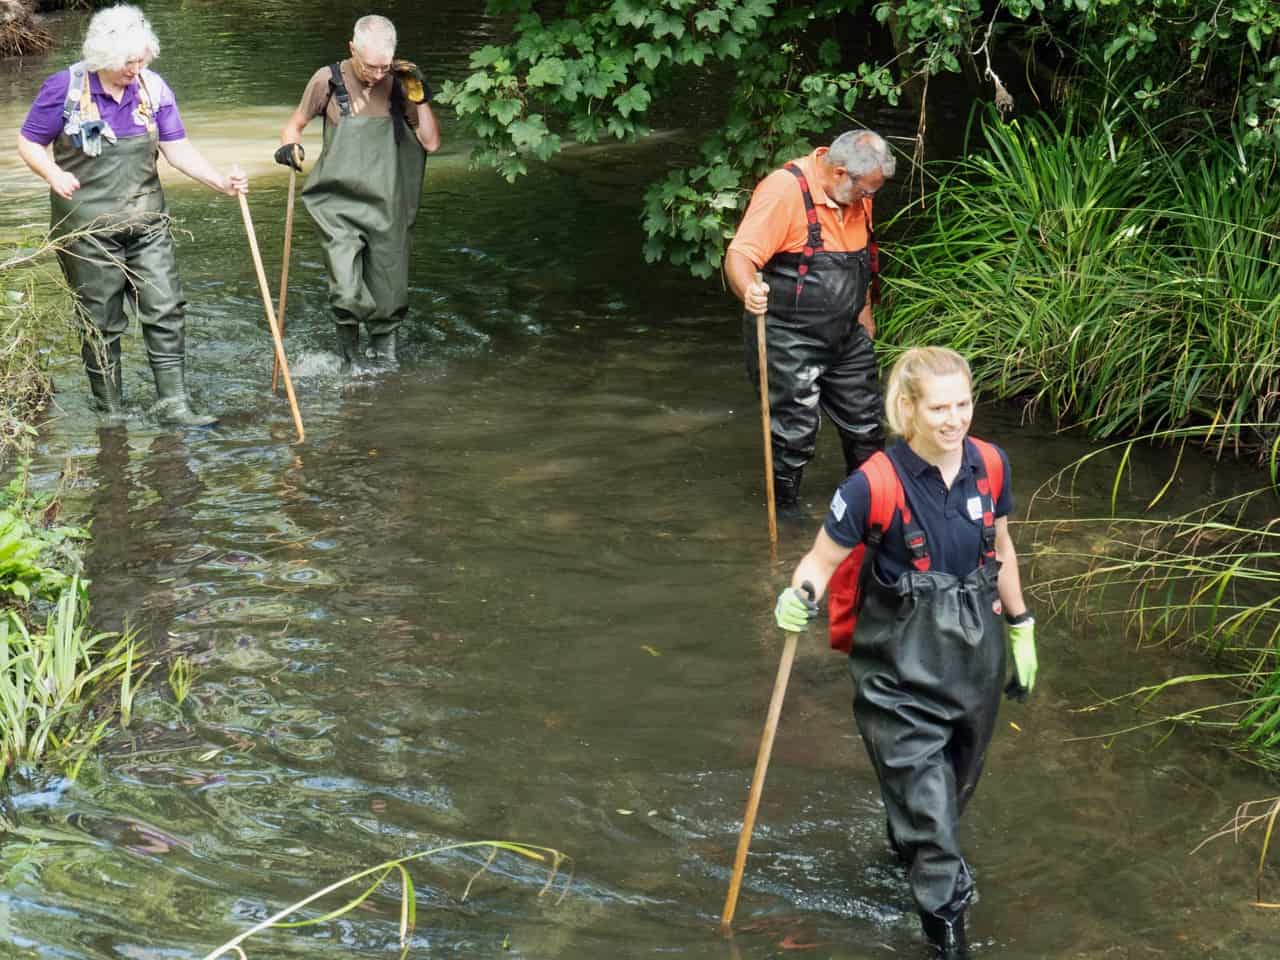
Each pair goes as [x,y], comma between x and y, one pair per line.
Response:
[44,119]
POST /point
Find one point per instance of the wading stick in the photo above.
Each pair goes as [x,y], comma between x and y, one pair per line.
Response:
[284,267]
[757,780]
[271,315]
[763,356]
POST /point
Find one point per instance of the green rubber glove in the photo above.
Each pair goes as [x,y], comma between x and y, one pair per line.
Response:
[794,609]
[1022,645]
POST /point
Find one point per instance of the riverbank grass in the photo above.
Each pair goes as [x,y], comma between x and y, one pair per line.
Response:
[61,683]
[1208,579]
[1107,281]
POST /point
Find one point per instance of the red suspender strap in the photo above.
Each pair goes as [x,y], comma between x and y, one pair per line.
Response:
[813,243]
[844,592]
[990,482]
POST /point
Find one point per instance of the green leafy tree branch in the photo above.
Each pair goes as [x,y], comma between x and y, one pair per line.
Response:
[792,72]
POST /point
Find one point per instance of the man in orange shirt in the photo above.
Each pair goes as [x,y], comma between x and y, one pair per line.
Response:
[808,231]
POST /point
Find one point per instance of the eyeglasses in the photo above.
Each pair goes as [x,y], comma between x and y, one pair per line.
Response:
[377,69]
[859,191]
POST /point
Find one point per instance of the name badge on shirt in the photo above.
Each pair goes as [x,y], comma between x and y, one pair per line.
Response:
[975,508]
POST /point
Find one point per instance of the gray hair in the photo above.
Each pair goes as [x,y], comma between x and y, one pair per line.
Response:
[117,35]
[374,34]
[862,152]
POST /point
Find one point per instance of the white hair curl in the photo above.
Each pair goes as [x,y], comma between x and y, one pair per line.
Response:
[117,35]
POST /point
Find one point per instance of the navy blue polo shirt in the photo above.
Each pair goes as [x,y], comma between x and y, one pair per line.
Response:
[947,517]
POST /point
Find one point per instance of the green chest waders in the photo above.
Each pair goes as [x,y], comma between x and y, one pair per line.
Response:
[928,664]
[126,252]
[363,195]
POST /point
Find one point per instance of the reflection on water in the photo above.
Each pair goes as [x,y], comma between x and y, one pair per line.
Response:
[519,589]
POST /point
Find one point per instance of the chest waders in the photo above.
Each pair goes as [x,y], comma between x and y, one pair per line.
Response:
[928,664]
[363,195]
[819,356]
[117,246]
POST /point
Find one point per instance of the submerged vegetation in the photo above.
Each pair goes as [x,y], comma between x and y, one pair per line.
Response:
[373,879]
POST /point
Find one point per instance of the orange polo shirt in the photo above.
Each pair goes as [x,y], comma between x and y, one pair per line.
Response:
[775,220]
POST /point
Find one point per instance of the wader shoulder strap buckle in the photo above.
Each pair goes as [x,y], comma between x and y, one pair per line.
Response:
[76,102]
[917,543]
[338,88]
[813,242]
[81,122]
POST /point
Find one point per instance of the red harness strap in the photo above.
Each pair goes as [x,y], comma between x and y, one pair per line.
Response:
[844,591]
[813,243]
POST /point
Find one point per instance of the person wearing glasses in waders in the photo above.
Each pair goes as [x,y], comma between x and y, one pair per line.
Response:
[108,117]
[363,192]
[922,583]
[808,231]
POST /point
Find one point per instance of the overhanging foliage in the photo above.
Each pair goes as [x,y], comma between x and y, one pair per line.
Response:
[791,71]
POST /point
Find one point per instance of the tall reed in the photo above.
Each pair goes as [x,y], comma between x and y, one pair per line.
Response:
[1208,578]
[1105,280]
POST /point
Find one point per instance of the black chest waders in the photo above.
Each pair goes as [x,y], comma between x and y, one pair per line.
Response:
[820,357]
[928,665]
[363,195]
[117,246]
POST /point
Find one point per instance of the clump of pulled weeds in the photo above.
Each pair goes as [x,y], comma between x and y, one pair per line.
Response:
[20,32]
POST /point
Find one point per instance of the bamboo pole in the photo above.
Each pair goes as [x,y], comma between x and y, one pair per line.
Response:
[757,779]
[271,316]
[765,430]
[284,268]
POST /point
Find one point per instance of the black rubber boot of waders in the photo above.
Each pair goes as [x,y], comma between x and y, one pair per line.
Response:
[173,406]
[105,380]
[348,344]
[786,488]
[384,348]
[945,936]
[858,448]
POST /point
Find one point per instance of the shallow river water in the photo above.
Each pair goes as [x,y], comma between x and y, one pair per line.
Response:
[521,590]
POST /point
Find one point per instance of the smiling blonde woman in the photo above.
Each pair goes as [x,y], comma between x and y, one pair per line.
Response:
[932,595]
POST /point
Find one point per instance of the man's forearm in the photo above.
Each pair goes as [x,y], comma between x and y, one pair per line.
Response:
[740,272]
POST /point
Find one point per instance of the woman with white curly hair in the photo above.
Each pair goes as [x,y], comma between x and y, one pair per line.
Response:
[107,118]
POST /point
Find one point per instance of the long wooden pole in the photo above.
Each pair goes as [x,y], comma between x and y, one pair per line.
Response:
[271,316]
[284,269]
[757,780]
[767,433]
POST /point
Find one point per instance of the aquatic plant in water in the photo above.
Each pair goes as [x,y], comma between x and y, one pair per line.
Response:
[1209,577]
[49,678]
[554,859]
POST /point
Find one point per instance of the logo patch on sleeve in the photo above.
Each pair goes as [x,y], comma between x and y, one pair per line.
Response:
[838,507]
